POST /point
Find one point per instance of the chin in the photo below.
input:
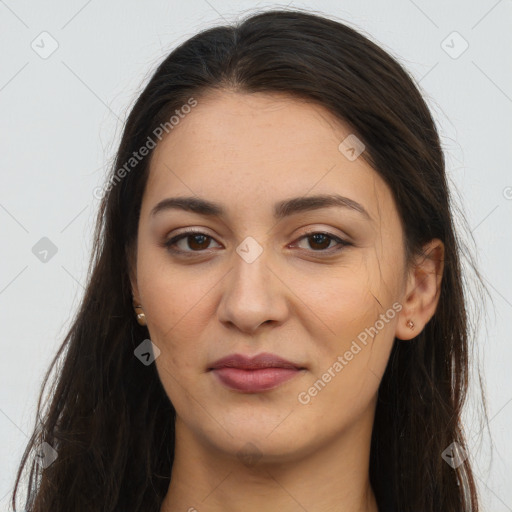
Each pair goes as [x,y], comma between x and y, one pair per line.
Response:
[248,441]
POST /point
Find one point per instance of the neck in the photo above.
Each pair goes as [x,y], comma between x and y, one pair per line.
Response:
[333,478]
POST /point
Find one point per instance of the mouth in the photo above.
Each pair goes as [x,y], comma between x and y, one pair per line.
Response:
[254,374]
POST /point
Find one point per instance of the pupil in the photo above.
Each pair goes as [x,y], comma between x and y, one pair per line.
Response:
[317,238]
[196,237]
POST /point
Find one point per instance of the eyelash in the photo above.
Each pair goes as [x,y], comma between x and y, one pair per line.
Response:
[172,241]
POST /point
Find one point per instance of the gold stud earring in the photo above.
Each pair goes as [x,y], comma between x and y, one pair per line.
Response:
[410,324]
[141,317]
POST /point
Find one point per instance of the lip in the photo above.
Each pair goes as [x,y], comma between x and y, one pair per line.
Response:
[262,372]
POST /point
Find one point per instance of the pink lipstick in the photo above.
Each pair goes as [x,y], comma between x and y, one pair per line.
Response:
[254,374]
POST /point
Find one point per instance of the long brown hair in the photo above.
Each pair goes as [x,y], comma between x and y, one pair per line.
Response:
[108,416]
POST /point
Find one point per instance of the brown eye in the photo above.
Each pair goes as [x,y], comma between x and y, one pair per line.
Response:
[189,242]
[321,242]
[198,241]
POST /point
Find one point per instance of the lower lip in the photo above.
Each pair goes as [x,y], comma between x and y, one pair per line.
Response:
[254,381]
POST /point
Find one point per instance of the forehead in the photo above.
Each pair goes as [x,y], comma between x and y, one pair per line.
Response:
[252,150]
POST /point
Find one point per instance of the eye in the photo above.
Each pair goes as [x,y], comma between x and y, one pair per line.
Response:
[194,240]
[320,241]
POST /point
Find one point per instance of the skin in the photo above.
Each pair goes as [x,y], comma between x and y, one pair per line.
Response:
[299,299]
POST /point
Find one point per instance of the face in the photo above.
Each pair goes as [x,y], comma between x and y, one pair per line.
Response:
[268,270]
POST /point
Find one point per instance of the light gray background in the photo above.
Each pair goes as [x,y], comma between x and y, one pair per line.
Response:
[61,118]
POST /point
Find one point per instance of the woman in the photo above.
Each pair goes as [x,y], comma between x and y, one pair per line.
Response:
[275,317]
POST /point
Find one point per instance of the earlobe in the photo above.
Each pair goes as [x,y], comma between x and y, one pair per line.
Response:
[137,306]
[423,290]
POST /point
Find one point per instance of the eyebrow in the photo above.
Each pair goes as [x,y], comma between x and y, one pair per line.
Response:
[281,210]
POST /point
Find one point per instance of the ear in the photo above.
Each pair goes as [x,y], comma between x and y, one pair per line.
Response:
[423,289]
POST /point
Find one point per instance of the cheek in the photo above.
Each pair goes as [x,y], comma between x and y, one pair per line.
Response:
[351,315]
[350,363]
[173,300]
[172,292]
[343,300]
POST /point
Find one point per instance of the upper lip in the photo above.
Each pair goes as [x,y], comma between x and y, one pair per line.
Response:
[264,360]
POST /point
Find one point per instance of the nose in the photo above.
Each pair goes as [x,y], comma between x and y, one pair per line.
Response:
[252,295]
